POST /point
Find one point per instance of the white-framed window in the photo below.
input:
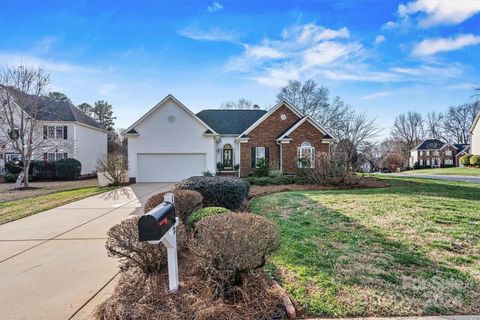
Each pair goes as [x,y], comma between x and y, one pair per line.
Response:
[54,132]
[448,152]
[54,156]
[259,155]
[428,162]
[306,155]
[13,134]
[449,161]
[428,152]
[436,153]
[12,157]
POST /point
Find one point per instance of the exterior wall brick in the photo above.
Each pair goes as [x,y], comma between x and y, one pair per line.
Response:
[306,132]
[442,156]
[264,135]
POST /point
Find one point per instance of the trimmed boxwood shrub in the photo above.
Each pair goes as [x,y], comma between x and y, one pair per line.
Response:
[475,161]
[218,191]
[278,180]
[465,160]
[68,169]
[205,212]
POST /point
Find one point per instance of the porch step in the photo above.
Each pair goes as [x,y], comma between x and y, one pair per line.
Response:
[227,173]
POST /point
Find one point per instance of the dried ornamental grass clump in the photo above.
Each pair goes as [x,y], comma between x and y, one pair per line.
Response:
[186,202]
[229,245]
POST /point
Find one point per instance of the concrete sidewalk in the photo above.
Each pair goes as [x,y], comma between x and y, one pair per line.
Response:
[53,265]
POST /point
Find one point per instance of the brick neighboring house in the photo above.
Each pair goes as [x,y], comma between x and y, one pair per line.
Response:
[435,153]
[170,143]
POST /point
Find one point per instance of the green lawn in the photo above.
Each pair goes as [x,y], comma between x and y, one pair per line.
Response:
[409,249]
[17,209]
[447,171]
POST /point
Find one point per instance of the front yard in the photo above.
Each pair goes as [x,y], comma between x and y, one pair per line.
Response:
[447,171]
[20,208]
[409,249]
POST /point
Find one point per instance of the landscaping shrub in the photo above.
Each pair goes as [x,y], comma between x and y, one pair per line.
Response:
[11,177]
[332,170]
[284,179]
[275,174]
[186,202]
[475,160]
[42,170]
[123,244]
[465,160]
[262,169]
[14,168]
[218,191]
[68,169]
[259,181]
[207,173]
[205,212]
[231,244]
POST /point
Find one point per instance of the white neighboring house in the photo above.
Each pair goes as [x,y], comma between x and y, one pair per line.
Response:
[67,133]
[475,132]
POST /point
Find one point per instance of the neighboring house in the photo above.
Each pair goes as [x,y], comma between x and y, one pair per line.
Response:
[170,142]
[475,132]
[66,132]
[435,153]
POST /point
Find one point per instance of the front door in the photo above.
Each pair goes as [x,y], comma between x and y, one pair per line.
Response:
[227,158]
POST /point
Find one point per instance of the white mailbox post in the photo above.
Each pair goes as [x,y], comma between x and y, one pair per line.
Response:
[160,226]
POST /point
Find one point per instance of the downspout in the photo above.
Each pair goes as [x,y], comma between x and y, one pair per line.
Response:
[239,158]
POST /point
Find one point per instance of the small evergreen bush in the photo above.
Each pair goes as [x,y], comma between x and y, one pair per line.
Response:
[205,212]
[475,161]
[465,160]
[68,169]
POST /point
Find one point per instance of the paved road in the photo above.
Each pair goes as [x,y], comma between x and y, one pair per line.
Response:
[53,265]
[439,177]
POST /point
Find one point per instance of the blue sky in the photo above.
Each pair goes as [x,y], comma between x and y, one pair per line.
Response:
[381,57]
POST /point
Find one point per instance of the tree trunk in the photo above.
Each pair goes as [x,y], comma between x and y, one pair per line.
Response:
[26,169]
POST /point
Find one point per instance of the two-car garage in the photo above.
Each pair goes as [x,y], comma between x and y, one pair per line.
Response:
[154,167]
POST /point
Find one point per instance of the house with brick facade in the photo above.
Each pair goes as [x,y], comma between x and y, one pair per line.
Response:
[170,142]
[435,153]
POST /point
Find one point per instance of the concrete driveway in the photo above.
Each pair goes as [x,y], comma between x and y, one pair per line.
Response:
[53,265]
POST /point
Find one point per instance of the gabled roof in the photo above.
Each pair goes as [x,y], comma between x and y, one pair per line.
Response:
[52,110]
[475,122]
[160,104]
[230,121]
[266,115]
[430,144]
[460,146]
[286,133]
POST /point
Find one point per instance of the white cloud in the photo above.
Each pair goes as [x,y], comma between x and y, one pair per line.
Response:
[390,25]
[376,95]
[12,59]
[379,39]
[214,7]
[45,44]
[263,52]
[328,52]
[440,11]
[432,46]
[211,35]
[429,72]
[311,32]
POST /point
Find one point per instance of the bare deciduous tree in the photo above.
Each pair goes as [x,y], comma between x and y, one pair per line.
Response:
[408,129]
[458,121]
[241,104]
[21,89]
[435,127]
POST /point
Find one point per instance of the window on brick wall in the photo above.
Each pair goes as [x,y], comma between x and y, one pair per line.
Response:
[306,155]
[448,152]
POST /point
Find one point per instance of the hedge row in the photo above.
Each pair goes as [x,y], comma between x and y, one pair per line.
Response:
[64,169]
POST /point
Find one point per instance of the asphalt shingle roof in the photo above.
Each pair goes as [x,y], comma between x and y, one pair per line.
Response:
[51,110]
[430,144]
[230,121]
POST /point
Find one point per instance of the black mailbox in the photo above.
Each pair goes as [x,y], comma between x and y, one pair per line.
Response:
[156,223]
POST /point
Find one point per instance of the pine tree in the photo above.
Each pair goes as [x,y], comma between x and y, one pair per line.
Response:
[104,114]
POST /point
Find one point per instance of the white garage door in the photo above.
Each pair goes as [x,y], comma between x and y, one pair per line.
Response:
[160,167]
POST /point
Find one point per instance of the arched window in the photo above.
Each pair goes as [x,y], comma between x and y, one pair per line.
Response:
[306,155]
[227,146]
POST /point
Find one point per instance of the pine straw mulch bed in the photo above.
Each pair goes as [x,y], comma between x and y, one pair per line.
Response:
[256,191]
[138,296]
